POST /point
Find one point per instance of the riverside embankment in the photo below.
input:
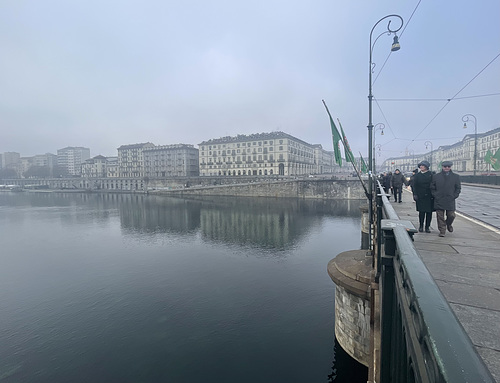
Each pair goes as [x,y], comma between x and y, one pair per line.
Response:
[308,188]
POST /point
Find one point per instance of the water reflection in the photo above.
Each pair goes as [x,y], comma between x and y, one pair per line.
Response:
[138,288]
[271,223]
[357,373]
[151,214]
[263,222]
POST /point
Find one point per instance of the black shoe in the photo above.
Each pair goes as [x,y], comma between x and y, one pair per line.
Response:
[450,228]
[427,230]
[400,201]
[421,229]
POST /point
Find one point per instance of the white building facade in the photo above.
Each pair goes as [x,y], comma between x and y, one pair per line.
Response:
[9,159]
[95,167]
[131,160]
[460,153]
[70,159]
[261,154]
[179,160]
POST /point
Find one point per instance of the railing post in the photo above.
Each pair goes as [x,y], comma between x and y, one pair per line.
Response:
[387,303]
[378,220]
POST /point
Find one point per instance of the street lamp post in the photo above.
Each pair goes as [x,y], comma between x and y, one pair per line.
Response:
[395,47]
[465,119]
[376,128]
[427,143]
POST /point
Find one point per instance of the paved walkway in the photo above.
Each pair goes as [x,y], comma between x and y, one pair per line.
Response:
[466,267]
[481,202]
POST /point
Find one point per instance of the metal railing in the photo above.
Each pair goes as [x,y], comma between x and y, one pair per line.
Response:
[485,180]
[421,338]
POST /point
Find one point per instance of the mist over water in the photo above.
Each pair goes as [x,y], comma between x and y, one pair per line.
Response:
[137,288]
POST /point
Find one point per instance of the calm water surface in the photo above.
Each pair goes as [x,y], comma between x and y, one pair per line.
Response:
[133,288]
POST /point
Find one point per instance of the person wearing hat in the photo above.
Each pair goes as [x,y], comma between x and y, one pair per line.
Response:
[422,195]
[445,188]
[397,182]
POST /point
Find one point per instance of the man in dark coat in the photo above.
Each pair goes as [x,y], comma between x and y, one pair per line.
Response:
[445,189]
[421,188]
[397,182]
[386,183]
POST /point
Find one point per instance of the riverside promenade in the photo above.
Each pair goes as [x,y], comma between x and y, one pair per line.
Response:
[466,266]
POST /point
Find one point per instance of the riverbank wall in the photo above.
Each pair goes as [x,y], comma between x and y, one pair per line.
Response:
[310,189]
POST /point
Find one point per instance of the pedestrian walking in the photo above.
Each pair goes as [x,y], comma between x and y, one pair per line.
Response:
[387,184]
[410,182]
[445,188]
[421,187]
[397,182]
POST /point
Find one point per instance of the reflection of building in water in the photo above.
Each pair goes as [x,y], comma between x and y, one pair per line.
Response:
[152,214]
[268,222]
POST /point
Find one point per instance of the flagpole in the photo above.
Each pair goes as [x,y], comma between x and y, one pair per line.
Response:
[349,153]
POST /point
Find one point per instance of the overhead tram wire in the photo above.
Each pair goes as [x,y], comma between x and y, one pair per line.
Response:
[438,99]
[453,98]
[385,118]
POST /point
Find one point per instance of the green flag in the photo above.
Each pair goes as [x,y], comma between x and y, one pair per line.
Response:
[336,139]
[487,157]
[349,157]
[495,160]
[364,168]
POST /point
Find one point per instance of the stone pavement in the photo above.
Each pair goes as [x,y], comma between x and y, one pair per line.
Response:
[466,266]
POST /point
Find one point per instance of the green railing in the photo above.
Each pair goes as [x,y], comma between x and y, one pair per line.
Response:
[421,338]
[481,179]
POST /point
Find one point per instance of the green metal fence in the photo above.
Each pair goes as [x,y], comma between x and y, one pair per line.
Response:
[421,338]
[484,180]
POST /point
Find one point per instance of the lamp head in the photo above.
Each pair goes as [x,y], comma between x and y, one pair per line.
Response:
[465,125]
[382,132]
[395,44]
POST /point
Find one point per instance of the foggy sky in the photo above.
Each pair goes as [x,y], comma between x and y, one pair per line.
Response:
[101,74]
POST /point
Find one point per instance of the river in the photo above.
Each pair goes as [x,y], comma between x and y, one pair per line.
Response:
[137,288]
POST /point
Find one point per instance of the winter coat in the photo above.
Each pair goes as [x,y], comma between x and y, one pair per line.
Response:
[445,189]
[422,191]
[386,183]
[411,182]
[398,180]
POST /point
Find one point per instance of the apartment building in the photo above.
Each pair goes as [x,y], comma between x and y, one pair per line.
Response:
[461,153]
[70,159]
[275,153]
[9,159]
[112,168]
[95,167]
[48,159]
[179,160]
[131,160]
[325,161]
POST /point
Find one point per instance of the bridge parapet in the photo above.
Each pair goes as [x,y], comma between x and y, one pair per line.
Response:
[421,340]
